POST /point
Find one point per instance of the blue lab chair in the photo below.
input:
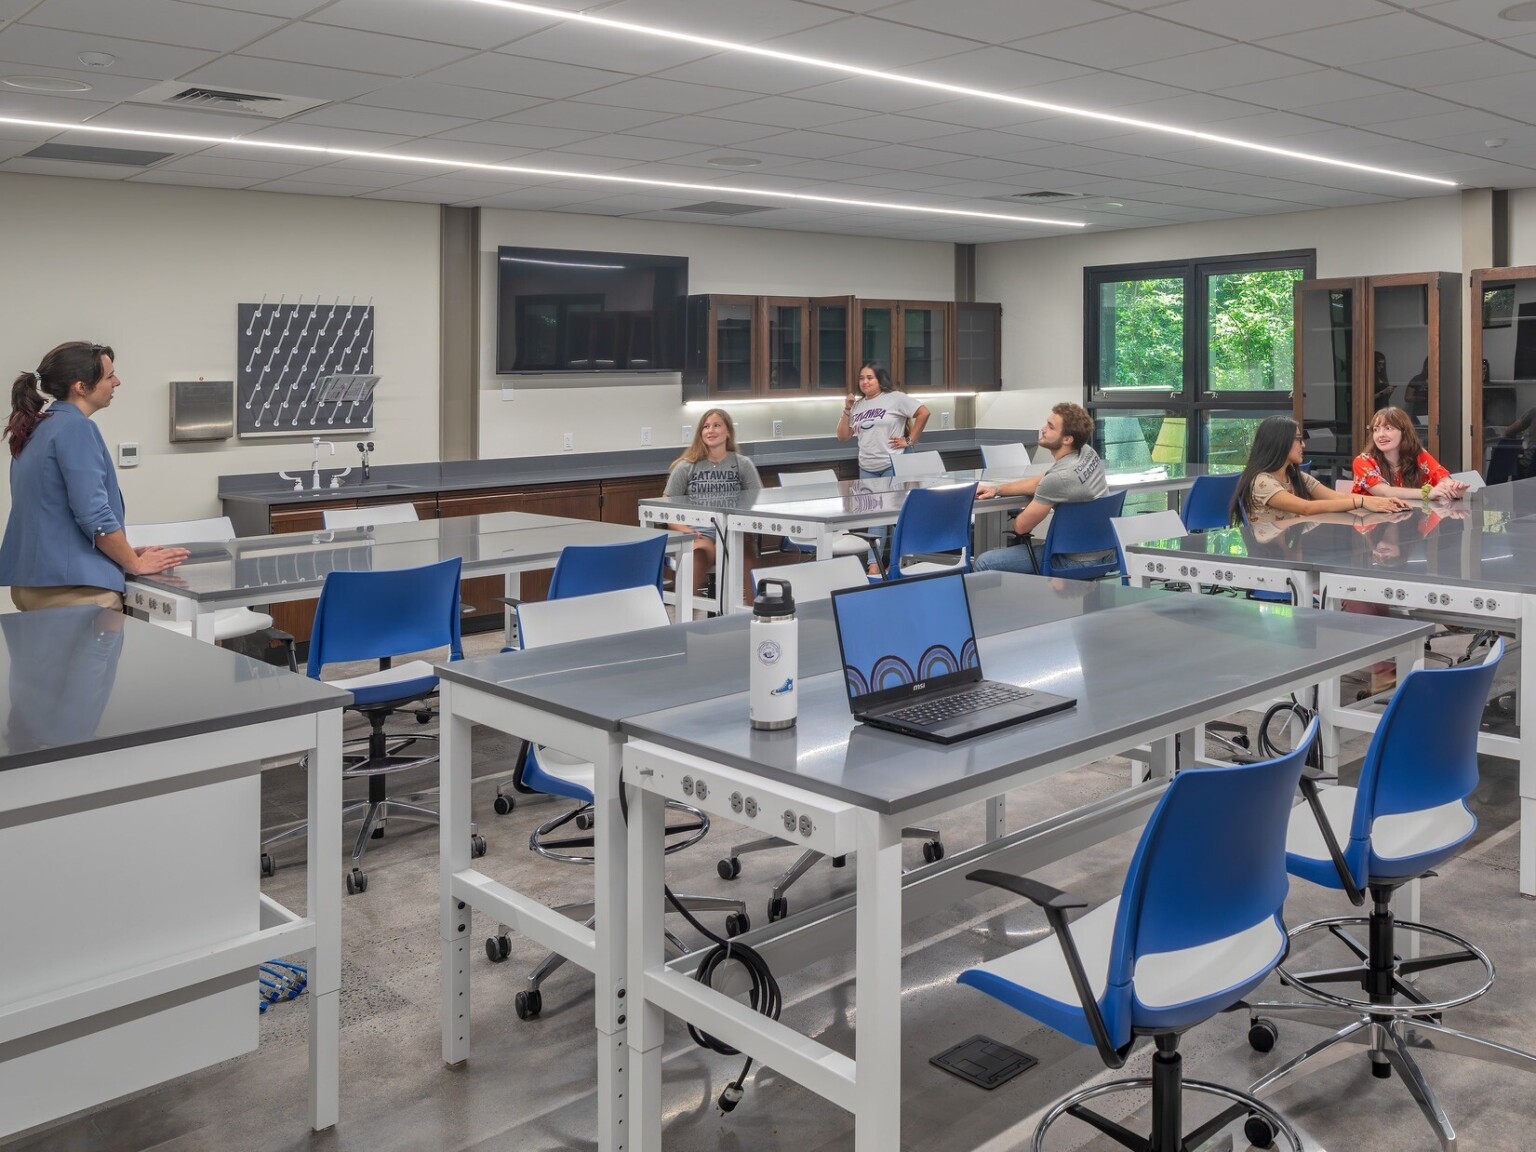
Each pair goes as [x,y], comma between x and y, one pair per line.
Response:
[1082,527]
[1408,815]
[1197,926]
[932,521]
[380,616]
[1208,503]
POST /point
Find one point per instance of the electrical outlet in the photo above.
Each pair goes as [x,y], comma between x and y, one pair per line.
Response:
[778,428]
[645,437]
[568,441]
[687,435]
[945,420]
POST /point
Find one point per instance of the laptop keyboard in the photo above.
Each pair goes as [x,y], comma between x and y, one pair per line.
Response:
[960,704]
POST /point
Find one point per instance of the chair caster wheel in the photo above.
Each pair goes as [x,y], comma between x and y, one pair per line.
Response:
[529,1004]
[729,869]
[778,908]
[584,821]
[424,716]
[477,846]
[736,923]
[268,864]
[378,833]
[1262,1035]
[503,804]
[1242,741]
[933,850]
[839,861]
[497,948]
[357,881]
[1259,1132]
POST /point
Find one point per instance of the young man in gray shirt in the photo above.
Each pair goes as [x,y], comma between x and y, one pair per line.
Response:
[1076,474]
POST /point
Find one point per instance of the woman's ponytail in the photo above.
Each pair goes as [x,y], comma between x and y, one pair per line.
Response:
[62,367]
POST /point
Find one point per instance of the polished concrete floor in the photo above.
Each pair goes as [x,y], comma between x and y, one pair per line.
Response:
[530,1085]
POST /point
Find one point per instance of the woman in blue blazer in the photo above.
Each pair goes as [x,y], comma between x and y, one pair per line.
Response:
[64,542]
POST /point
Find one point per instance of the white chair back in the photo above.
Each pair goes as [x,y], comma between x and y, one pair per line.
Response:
[917,463]
[1343,485]
[544,622]
[214,530]
[373,514]
[819,476]
[1473,480]
[1004,456]
[1147,526]
[818,579]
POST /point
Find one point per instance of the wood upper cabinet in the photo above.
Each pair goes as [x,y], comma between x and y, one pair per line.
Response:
[1371,342]
[977,361]
[834,345]
[911,338]
[1502,371]
[727,347]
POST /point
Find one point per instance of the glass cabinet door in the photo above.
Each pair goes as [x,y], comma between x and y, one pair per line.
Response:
[1400,369]
[830,321]
[978,347]
[1504,374]
[877,332]
[1327,312]
[733,320]
[787,368]
[924,329]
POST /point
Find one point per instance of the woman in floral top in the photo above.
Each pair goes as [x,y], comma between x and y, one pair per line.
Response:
[1396,464]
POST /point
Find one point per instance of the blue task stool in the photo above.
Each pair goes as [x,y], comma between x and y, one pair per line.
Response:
[1082,527]
[1408,814]
[1208,503]
[1197,926]
[932,523]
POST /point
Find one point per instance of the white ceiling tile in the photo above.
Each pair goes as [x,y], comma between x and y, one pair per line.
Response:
[10,147]
[343,176]
[787,112]
[1469,123]
[523,75]
[995,21]
[650,94]
[1198,110]
[975,114]
[320,136]
[746,21]
[539,198]
[982,168]
[571,162]
[586,117]
[246,72]
[826,170]
[902,156]
[66,168]
[1512,95]
[1479,17]
[457,151]
[1445,66]
[446,100]
[1291,92]
[1518,139]
[41,106]
[748,73]
[404,196]
[905,129]
[1221,68]
[306,188]
[871,43]
[1250,20]
[595,47]
[1065,156]
[998,69]
[1104,91]
[1377,109]
[1141,168]
[634,148]
[1268,127]
[324,45]
[190,179]
[159,21]
[902,181]
[458,187]
[104,88]
[809,145]
[49,48]
[370,119]
[868,94]
[1361,41]
[706,130]
[469,25]
[773,182]
[284,8]
[1121,41]
[252,170]
[183,120]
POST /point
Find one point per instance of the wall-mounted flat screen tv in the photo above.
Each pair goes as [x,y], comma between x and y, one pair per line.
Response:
[560,310]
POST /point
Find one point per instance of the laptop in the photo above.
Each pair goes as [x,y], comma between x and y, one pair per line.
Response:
[910,663]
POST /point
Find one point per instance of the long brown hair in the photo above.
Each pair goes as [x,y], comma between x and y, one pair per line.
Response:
[696,451]
[1407,450]
[69,362]
[1271,451]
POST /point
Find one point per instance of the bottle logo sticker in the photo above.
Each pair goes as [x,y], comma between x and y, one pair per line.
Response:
[783,689]
[769,652]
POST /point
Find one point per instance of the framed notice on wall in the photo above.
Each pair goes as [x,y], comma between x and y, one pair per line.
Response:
[289,355]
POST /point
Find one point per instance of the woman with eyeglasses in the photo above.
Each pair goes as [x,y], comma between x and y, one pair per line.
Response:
[64,542]
[1273,487]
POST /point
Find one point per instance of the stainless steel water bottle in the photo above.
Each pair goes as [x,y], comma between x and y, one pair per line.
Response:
[773,693]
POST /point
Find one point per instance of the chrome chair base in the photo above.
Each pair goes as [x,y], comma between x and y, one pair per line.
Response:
[1243,1103]
[541,840]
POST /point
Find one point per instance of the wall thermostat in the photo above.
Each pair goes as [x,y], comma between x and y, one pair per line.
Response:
[127,455]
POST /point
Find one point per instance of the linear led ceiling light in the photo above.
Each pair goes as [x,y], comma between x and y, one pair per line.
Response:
[543,173]
[954,89]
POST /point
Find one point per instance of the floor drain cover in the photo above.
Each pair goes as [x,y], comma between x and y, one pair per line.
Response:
[984,1062]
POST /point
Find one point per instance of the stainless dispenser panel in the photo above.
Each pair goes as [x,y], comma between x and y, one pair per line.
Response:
[202,409]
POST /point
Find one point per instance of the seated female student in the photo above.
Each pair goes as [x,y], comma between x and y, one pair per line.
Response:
[711,466]
[1396,464]
[1273,487]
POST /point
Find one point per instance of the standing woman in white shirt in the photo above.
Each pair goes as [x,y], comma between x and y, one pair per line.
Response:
[878,417]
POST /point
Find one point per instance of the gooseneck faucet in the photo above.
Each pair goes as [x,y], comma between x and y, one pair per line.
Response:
[315,461]
[365,447]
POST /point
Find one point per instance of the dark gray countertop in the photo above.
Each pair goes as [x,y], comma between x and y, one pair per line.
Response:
[264,489]
[82,681]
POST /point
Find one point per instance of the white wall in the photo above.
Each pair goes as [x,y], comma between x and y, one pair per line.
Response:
[607,416]
[1040,282]
[157,272]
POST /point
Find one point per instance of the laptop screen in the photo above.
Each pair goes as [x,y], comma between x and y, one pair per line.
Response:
[905,637]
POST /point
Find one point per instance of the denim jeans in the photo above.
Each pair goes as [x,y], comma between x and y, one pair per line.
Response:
[1017,558]
[881,536]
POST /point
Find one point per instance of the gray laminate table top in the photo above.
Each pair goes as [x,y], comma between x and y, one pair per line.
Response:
[1487,540]
[1142,667]
[81,681]
[604,681]
[241,571]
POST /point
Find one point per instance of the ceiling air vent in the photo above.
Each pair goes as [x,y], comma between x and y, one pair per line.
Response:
[89,154]
[722,208]
[1040,197]
[267,105]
